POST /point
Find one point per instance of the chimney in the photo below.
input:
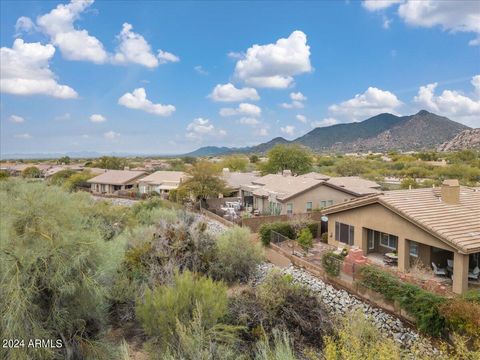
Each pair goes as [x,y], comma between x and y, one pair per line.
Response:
[287,172]
[450,192]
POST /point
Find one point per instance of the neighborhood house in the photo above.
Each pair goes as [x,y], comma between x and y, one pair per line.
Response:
[439,227]
[112,181]
[161,182]
[285,194]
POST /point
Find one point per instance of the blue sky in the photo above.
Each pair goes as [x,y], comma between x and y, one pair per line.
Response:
[140,76]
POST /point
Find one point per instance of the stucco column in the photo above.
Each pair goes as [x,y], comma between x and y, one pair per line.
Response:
[460,273]
[363,241]
[403,253]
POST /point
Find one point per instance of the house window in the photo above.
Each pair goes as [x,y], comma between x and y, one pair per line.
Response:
[289,209]
[330,202]
[413,248]
[309,206]
[344,233]
[389,241]
[323,204]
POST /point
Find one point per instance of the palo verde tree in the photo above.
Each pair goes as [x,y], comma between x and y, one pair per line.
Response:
[55,271]
[288,157]
[204,181]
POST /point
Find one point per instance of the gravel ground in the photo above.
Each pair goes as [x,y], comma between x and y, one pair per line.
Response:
[341,303]
[116,201]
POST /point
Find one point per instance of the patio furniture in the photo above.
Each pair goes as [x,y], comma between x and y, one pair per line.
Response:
[390,259]
[474,274]
[439,271]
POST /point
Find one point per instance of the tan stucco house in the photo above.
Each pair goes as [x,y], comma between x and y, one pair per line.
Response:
[161,182]
[439,225]
[285,194]
[112,181]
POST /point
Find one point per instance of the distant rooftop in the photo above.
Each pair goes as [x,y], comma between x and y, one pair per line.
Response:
[116,177]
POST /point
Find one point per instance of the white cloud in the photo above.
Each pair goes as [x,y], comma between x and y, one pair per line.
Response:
[376,5]
[275,65]
[242,109]
[249,121]
[236,55]
[261,132]
[166,57]
[24,24]
[25,71]
[138,100]
[325,122]
[97,118]
[200,70]
[25,136]
[200,128]
[16,119]
[372,102]
[229,93]
[288,130]
[452,104]
[298,96]
[293,105]
[453,16]
[133,48]
[74,44]
[301,118]
[297,101]
[111,135]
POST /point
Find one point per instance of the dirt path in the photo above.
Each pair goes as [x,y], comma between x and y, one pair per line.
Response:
[272,256]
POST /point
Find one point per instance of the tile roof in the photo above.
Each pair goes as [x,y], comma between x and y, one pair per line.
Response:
[456,224]
[235,180]
[161,177]
[116,177]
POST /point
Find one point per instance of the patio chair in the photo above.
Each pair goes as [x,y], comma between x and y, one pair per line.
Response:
[439,271]
[474,274]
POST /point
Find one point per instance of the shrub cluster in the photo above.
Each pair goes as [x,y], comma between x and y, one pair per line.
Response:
[279,303]
[422,305]
[289,229]
[332,263]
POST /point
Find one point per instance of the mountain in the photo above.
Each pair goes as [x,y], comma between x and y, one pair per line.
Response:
[382,132]
[210,151]
[467,139]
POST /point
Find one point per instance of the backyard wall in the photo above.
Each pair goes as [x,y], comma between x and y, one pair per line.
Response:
[255,222]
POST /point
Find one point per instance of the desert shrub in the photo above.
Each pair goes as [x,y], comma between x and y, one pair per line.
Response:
[161,307]
[472,295]
[60,177]
[31,172]
[280,303]
[152,255]
[357,338]
[283,228]
[110,219]
[305,239]
[282,348]
[462,317]
[153,216]
[237,256]
[332,263]
[421,304]
[195,341]
[55,272]
[4,175]
[78,181]
[324,237]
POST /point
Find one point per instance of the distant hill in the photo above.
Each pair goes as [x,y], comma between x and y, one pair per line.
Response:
[467,139]
[382,132]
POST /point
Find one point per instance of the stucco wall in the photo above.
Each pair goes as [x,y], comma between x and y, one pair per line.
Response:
[377,217]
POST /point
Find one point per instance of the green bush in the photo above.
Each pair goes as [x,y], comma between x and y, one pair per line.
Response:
[237,256]
[283,228]
[161,307]
[422,305]
[31,172]
[332,263]
[305,239]
[60,177]
[55,272]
